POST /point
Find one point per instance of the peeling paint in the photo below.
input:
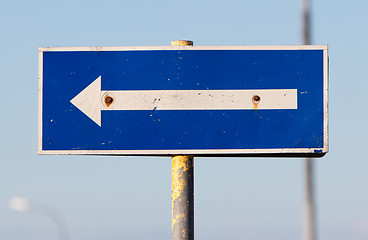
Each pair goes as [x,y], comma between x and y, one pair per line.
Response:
[182,197]
[180,165]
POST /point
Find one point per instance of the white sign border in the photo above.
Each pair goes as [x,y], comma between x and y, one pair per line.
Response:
[189,151]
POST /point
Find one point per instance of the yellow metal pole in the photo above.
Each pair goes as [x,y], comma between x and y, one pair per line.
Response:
[182,189]
[182,198]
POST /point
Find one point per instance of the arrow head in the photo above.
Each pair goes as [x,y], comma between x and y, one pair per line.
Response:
[89,101]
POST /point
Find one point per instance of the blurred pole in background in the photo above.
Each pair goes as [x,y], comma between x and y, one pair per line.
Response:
[310,218]
[306,22]
[310,209]
[23,205]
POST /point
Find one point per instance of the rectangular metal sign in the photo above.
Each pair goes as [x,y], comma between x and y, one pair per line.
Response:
[201,100]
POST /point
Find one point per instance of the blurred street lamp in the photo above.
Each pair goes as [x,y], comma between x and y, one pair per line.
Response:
[23,205]
[19,204]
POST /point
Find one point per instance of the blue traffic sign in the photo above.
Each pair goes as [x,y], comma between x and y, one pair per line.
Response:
[201,100]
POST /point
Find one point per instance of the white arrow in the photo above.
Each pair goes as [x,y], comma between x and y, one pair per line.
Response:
[91,101]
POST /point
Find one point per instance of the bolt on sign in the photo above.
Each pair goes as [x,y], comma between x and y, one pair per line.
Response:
[199,100]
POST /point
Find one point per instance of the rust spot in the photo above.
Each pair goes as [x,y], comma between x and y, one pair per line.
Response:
[108,100]
[256,99]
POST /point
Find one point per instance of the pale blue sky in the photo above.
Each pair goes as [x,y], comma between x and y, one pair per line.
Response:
[130,197]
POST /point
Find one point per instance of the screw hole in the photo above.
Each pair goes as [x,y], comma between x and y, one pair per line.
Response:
[256,99]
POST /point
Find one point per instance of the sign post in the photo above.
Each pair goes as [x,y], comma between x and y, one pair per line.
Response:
[184,101]
[182,189]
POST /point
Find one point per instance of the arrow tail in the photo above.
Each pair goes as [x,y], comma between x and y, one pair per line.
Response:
[202,99]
